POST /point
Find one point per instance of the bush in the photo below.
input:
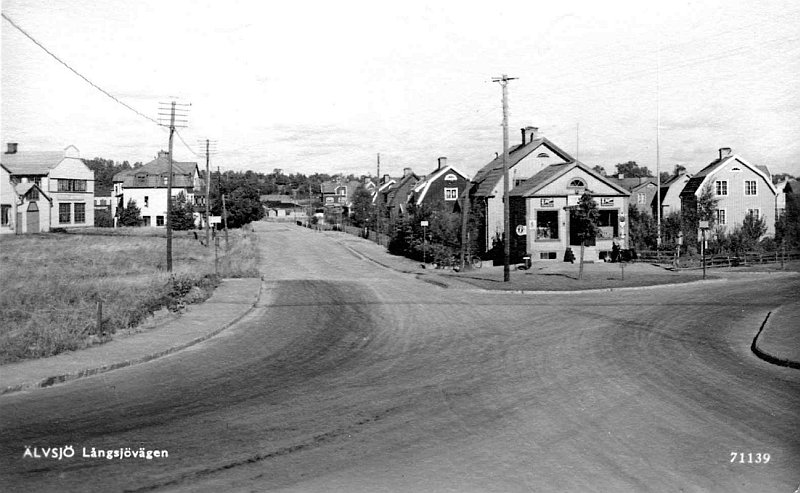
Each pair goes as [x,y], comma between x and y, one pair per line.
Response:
[103,219]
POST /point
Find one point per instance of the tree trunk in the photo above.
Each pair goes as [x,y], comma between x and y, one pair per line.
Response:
[580,264]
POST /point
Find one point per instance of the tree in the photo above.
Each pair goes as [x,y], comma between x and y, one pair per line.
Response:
[787,227]
[701,208]
[600,169]
[129,215]
[243,206]
[633,170]
[362,209]
[584,218]
[642,229]
[182,214]
[752,229]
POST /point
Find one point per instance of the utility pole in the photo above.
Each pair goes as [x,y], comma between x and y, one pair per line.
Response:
[378,204]
[225,221]
[658,154]
[173,123]
[503,80]
[208,193]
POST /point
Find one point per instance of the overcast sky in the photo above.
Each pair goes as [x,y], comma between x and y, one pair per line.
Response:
[321,86]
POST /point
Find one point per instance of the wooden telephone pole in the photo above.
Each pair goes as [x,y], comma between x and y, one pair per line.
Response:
[503,80]
[180,110]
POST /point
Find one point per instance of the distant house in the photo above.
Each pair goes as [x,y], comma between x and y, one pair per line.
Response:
[337,195]
[787,186]
[396,200]
[643,191]
[740,188]
[147,186]
[671,193]
[442,189]
[8,202]
[282,206]
[61,178]
[541,216]
[526,159]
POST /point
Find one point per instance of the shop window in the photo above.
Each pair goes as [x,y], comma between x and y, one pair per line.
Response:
[608,223]
[546,225]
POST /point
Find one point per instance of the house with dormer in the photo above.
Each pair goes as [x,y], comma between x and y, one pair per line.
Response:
[533,154]
[55,184]
[739,187]
[441,190]
[147,186]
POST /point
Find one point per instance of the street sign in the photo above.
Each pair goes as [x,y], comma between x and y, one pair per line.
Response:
[521,231]
[423,223]
[703,224]
[214,219]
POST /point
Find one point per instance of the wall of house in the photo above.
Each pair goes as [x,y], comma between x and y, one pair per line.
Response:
[671,201]
[532,164]
[44,214]
[155,204]
[71,168]
[8,199]
[435,196]
[646,201]
[736,203]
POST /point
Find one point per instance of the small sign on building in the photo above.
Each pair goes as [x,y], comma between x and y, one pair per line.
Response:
[214,219]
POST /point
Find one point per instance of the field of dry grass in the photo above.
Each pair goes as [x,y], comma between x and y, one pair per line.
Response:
[51,284]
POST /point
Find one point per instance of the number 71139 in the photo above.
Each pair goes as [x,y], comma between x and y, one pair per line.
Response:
[749,458]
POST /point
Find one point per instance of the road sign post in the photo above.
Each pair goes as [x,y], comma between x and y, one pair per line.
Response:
[424,225]
[703,228]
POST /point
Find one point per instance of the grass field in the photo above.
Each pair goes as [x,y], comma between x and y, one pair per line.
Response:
[52,283]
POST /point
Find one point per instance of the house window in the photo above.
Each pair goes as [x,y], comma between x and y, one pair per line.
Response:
[341,200]
[641,198]
[546,225]
[164,180]
[451,194]
[451,177]
[577,183]
[64,213]
[750,187]
[721,217]
[71,185]
[721,187]
[80,213]
[141,179]
[756,213]
[33,194]
[146,200]
[328,200]
[146,220]
[5,212]
[159,220]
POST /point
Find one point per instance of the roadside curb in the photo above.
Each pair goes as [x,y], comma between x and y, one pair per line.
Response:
[56,379]
[769,358]
[442,284]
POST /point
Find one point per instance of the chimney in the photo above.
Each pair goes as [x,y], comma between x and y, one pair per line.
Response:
[724,152]
[12,148]
[163,154]
[529,134]
[385,179]
[621,176]
[406,172]
[442,163]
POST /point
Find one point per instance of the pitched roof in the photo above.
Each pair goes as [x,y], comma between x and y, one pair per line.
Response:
[633,182]
[550,173]
[32,163]
[410,179]
[487,177]
[421,188]
[23,188]
[696,181]
[183,173]
[792,186]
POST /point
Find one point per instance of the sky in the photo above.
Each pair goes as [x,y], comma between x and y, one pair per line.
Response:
[320,86]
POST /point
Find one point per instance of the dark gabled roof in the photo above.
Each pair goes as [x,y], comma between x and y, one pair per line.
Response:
[154,170]
[23,188]
[408,180]
[792,186]
[550,173]
[487,177]
[32,163]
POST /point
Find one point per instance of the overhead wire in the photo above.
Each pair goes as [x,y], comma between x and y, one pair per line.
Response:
[62,62]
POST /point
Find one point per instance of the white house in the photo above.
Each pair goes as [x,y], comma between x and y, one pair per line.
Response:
[147,186]
[64,179]
[739,187]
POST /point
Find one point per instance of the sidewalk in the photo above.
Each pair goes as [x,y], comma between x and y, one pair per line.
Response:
[231,301]
[779,340]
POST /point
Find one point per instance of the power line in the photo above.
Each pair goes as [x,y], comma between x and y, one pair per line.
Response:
[62,62]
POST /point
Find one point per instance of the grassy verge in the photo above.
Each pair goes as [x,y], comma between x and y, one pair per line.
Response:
[52,284]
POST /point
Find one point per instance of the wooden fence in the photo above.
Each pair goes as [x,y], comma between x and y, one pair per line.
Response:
[719,260]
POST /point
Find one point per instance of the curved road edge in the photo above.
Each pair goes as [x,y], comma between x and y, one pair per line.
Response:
[777,340]
[229,303]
